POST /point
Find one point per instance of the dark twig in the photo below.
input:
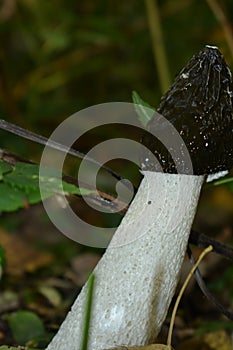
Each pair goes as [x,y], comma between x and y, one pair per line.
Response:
[203,241]
[12,158]
[206,291]
[29,135]
[101,199]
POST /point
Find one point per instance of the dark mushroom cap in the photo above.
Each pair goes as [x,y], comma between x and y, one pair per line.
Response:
[199,105]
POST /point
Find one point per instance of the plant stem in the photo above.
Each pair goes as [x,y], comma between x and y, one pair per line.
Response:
[222,19]
[88,312]
[158,44]
[202,255]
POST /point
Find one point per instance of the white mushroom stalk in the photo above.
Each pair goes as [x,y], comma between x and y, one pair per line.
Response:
[135,282]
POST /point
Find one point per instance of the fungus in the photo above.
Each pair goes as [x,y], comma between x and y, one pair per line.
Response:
[135,282]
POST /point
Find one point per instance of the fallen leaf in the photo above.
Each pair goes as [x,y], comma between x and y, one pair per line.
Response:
[219,340]
[8,301]
[21,257]
[51,294]
[25,325]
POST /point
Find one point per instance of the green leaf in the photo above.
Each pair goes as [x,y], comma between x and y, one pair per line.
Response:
[50,182]
[34,196]
[24,176]
[11,198]
[22,186]
[144,111]
[51,294]
[72,189]
[26,325]
[4,168]
[226,180]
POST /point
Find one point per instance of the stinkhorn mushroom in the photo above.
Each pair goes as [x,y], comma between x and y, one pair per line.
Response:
[135,282]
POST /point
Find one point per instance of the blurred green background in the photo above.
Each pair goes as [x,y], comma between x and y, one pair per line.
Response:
[59,57]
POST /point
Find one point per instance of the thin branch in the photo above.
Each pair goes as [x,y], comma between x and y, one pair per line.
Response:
[222,19]
[206,291]
[203,241]
[103,199]
[29,135]
[158,44]
[12,158]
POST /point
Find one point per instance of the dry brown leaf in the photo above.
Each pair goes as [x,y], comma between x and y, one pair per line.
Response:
[210,341]
[218,340]
[21,257]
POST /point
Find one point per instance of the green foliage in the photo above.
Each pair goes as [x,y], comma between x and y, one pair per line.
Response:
[20,186]
[76,54]
[214,326]
[228,181]
[11,198]
[4,168]
[143,109]
[26,325]
[223,284]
